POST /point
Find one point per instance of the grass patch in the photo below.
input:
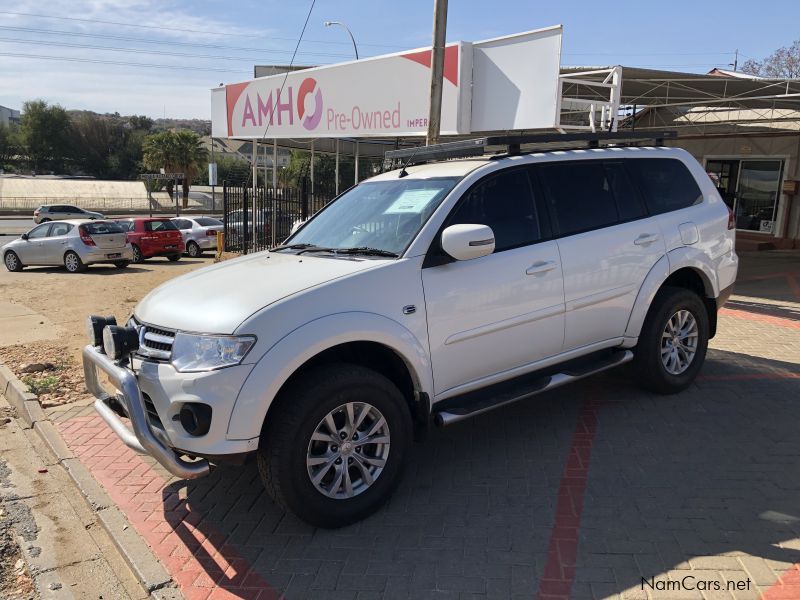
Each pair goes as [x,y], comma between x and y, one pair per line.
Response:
[41,385]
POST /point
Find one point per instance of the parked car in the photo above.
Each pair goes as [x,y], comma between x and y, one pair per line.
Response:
[75,244]
[151,237]
[426,295]
[60,212]
[199,233]
[283,225]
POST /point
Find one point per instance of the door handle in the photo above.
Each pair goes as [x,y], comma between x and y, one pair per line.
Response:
[646,238]
[543,266]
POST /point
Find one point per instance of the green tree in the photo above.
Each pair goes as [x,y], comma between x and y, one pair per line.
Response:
[45,133]
[784,63]
[9,145]
[176,151]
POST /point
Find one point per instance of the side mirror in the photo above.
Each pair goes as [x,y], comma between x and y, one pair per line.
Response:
[465,242]
[24,236]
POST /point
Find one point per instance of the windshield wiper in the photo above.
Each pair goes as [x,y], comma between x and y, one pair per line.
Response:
[367,251]
[293,247]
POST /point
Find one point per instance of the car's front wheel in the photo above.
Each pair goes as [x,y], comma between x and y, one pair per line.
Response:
[332,450]
[12,261]
[673,342]
[73,262]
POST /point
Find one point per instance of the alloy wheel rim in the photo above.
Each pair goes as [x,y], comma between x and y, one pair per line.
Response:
[679,342]
[72,262]
[348,450]
[193,250]
[11,261]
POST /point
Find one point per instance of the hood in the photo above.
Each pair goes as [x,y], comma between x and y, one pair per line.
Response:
[217,299]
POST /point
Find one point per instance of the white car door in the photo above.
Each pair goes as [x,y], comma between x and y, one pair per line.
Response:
[55,244]
[32,251]
[607,242]
[491,315]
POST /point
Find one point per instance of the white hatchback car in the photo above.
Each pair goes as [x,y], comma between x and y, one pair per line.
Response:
[199,233]
[432,293]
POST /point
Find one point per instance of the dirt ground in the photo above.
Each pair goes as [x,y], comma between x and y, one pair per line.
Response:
[102,290]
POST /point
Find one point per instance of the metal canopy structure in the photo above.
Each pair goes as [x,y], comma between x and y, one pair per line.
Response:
[720,101]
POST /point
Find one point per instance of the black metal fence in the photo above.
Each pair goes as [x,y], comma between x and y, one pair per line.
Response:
[250,229]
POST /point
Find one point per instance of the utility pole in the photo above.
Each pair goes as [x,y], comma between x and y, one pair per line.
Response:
[735,63]
[437,70]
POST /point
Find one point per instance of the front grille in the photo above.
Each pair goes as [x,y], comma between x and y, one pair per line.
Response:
[154,342]
[152,414]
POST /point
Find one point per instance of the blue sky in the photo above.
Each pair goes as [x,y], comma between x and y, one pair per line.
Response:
[191,46]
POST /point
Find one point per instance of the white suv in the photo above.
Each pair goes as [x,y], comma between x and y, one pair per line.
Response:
[432,293]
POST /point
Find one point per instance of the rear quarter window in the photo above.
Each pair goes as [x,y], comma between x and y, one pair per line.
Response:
[666,183]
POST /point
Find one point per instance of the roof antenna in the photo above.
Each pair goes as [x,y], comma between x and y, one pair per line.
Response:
[403,171]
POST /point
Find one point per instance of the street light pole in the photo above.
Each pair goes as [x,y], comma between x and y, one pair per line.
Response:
[437,70]
[347,29]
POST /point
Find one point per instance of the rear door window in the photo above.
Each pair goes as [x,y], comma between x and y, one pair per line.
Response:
[159,226]
[579,196]
[629,201]
[183,223]
[666,183]
[60,229]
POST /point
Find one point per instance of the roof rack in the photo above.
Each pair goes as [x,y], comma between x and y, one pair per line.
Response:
[512,143]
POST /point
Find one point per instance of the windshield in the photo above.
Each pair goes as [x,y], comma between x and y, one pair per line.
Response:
[383,215]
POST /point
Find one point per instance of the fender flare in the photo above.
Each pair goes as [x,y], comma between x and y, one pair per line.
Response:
[297,347]
[668,264]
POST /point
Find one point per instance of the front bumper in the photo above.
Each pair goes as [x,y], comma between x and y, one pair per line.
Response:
[144,439]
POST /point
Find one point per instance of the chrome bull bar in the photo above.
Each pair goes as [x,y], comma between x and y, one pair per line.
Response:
[142,439]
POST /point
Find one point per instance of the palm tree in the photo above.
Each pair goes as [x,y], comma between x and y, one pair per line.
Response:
[176,151]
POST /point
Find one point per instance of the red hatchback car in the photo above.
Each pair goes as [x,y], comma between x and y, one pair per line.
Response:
[153,237]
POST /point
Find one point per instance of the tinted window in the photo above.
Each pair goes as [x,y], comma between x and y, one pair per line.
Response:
[504,203]
[39,232]
[667,184]
[101,227]
[159,226]
[628,199]
[182,223]
[127,225]
[207,222]
[579,196]
[60,229]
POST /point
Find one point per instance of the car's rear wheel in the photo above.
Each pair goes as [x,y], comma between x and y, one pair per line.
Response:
[121,264]
[12,261]
[174,257]
[193,250]
[333,450]
[673,342]
[73,262]
[138,257]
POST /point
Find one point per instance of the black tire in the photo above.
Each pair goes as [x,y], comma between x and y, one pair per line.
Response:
[12,261]
[73,262]
[122,264]
[137,254]
[193,250]
[174,257]
[648,366]
[286,439]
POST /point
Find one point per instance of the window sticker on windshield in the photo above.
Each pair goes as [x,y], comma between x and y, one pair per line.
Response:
[412,201]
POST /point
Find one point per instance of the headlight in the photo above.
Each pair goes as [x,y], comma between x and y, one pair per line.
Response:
[95,326]
[192,352]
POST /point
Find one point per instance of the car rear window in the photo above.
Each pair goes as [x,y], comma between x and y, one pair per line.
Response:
[667,184]
[208,222]
[101,227]
[165,225]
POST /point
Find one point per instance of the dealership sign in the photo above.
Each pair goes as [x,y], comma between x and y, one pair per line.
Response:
[501,84]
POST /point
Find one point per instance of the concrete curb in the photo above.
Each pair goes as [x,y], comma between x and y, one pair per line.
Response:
[151,574]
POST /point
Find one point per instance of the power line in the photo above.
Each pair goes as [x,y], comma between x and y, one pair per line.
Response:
[159,42]
[181,29]
[135,50]
[117,62]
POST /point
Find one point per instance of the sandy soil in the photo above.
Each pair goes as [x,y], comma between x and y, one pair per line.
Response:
[65,300]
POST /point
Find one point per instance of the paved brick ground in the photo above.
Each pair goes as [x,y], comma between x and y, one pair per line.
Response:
[580,493]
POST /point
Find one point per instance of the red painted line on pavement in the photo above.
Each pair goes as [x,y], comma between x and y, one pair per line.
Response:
[562,552]
[750,316]
[193,550]
[786,588]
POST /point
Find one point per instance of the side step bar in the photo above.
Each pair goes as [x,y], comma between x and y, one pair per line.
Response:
[548,382]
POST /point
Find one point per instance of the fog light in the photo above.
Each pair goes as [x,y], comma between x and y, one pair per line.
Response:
[119,342]
[196,418]
[95,326]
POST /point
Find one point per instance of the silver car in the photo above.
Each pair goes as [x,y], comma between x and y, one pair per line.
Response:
[199,233]
[60,212]
[74,244]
